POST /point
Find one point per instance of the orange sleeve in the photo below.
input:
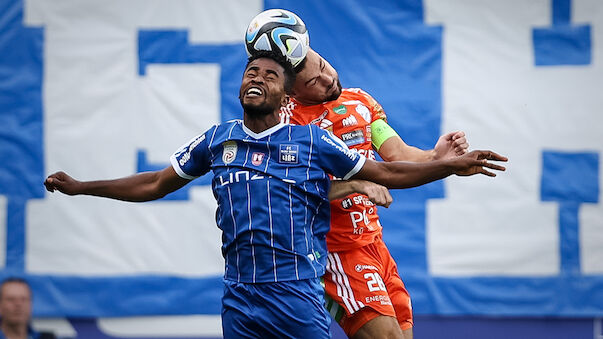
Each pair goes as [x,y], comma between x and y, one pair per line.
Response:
[374,107]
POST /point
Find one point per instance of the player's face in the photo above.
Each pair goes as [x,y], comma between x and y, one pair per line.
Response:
[263,87]
[317,82]
[15,303]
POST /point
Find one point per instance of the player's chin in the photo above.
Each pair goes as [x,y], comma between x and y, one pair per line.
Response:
[333,94]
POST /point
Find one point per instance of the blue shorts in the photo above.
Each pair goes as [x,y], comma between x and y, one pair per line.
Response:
[288,309]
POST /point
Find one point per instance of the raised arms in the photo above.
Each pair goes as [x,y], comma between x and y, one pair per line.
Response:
[136,188]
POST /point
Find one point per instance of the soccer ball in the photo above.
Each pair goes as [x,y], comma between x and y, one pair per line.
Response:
[278,30]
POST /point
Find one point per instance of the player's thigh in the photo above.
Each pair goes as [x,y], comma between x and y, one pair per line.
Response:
[379,327]
[397,291]
[353,280]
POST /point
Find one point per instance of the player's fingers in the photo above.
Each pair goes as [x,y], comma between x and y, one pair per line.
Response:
[389,199]
[49,187]
[486,172]
[458,135]
[450,136]
[461,149]
[496,156]
[494,166]
[490,156]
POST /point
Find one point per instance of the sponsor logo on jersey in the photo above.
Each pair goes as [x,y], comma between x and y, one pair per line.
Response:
[350,121]
[257,158]
[238,176]
[340,147]
[346,203]
[364,112]
[369,133]
[340,109]
[360,268]
[353,138]
[230,151]
[288,154]
[186,151]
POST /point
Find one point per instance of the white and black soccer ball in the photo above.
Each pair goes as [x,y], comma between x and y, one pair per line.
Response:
[278,30]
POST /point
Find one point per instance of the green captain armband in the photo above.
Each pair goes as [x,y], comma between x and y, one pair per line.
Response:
[381,131]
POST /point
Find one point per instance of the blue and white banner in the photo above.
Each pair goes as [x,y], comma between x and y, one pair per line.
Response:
[104,89]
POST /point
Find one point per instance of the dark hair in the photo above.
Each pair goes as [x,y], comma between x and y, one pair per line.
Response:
[14,280]
[300,66]
[281,60]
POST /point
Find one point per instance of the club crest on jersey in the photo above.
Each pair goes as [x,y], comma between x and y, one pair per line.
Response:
[257,158]
[230,151]
[288,154]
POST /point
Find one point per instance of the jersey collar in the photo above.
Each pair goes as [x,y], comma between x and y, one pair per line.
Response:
[264,133]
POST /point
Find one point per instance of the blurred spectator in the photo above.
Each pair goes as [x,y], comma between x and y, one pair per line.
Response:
[15,311]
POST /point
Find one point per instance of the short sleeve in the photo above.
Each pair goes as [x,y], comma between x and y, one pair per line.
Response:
[374,107]
[193,159]
[334,155]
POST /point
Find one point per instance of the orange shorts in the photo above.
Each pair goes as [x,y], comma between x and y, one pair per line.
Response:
[366,279]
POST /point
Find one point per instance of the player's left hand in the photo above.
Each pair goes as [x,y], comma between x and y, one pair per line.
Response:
[451,145]
[476,162]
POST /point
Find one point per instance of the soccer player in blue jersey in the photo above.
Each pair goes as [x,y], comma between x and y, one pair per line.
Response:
[271,184]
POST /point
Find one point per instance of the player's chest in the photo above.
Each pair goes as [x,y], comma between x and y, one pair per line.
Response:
[351,122]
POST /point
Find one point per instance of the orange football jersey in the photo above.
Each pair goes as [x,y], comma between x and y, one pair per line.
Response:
[354,219]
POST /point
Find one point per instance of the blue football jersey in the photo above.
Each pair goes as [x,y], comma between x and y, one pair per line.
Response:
[272,192]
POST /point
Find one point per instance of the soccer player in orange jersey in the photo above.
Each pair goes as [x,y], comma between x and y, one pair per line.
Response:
[362,278]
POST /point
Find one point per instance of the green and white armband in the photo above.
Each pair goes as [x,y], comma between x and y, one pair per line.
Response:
[381,131]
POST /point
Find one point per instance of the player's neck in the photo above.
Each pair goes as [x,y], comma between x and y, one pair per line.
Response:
[306,102]
[258,124]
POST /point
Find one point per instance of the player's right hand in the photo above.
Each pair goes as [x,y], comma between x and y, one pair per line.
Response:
[476,162]
[62,182]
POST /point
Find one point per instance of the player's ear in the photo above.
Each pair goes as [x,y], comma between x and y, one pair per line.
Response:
[285,100]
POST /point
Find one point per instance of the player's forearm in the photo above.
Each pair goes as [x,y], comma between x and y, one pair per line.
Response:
[136,188]
[400,174]
[411,153]
[342,188]
[395,149]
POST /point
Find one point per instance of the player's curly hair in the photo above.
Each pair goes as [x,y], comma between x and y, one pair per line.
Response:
[281,60]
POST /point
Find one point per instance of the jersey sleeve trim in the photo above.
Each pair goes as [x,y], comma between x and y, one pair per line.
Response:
[356,168]
[179,170]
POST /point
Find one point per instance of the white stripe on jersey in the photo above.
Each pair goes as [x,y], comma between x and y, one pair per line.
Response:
[343,284]
[249,215]
[250,231]
[234,226]
[292,231]
[271,234]
[310,153]
[312,233]
[336,277]
[345,279]
[270,209]
[211,141]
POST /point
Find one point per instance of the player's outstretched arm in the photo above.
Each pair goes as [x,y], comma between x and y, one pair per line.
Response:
[137,188]
[448,146]
[376,193]
[399,174]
